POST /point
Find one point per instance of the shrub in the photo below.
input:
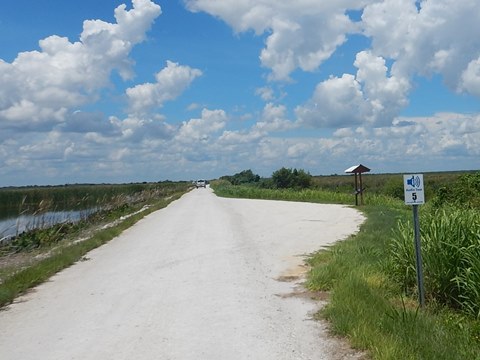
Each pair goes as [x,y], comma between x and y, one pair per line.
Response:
[464,192]
[394,187]
[288,178]
[243,177]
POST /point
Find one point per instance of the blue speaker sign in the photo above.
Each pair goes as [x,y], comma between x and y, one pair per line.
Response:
[413,188]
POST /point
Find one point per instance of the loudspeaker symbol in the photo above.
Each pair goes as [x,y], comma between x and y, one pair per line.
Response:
[414,181]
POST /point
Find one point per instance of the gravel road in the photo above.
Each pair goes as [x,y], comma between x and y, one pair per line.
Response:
[200,279]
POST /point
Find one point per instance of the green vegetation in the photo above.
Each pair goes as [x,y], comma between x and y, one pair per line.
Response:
[281,179]
[373,311]
[225,189]
[243,177]
[43,252]
[385,184]
[291,179]
[390,185]
[248,192]
[19,200]
[371,276]
[450,232]
[93,202]
[464,192]
[37,238]
[451,258]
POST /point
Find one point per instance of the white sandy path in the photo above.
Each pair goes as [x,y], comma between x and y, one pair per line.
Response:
[197,280]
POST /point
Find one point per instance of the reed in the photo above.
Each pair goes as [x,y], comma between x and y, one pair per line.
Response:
[14,201]
[450,241]
[250,192]
[105,202]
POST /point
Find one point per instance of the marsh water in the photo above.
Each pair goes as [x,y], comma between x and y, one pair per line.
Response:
[13,225]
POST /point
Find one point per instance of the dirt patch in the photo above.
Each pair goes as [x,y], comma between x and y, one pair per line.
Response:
[340,347]
[296,271]
[10,260]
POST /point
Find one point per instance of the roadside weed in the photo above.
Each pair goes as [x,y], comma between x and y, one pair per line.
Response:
[372,311]
[451,257]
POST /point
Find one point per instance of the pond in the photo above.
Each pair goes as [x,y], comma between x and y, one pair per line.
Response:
[12,226]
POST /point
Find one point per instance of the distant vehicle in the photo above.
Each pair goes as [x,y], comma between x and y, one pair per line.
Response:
[201,183]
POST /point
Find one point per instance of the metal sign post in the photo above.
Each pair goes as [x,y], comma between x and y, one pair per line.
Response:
[414,195]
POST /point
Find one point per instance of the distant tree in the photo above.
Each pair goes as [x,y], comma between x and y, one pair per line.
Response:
[291,178]
[302,179]
[282,178]
[243,177]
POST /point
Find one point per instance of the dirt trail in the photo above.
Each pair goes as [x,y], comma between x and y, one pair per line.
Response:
[197,280]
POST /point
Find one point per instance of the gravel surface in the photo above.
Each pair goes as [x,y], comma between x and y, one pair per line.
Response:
[203,278]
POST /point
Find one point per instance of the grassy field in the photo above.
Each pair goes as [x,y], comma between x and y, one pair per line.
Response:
[385,184]
[371,276]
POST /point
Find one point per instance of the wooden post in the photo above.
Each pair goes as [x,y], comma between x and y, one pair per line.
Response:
[361,188]
[356,190]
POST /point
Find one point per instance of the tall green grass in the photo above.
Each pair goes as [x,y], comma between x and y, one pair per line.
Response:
[305,195]
[387,184]
[34,199]
[370,308]
[450,241]
[249,192]
[112,204]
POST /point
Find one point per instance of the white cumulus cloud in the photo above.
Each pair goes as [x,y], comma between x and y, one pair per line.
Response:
[39,87]
[470,79]
[409,38]
[371,97]
[273,119]
[300,34]
[201,129]
[170,83]
[438,37]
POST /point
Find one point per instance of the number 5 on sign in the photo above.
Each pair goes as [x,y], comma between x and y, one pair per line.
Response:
[413,188]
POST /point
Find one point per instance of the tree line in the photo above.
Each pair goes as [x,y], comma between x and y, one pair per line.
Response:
[284,178]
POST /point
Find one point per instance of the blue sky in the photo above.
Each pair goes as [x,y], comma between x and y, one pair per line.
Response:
[121,91]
